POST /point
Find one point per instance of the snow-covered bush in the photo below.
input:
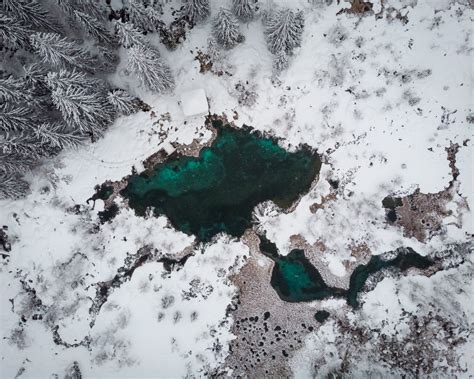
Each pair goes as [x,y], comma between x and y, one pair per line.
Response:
[244,9]
[226,29]
[321,3]
[281,61]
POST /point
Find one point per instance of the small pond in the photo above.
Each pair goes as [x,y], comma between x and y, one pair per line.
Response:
[295,279]
[217,191]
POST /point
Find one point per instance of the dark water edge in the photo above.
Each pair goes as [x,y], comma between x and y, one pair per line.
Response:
[217,191]
[295,279]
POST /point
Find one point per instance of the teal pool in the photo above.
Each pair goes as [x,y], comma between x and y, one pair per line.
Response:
[217,191]
[295,279]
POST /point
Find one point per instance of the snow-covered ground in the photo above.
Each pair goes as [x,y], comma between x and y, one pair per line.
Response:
[379,99]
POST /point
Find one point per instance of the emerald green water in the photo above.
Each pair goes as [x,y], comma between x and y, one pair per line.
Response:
[295,279]
[405,259]
[217,191]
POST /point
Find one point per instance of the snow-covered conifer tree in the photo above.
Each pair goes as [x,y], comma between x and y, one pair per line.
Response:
[93,27]
[138,15]
[108,57]
[154,19]
[196,10]
[13,90]
[284,30]
[34,75]
[20,144]
[153,73]
[64,79]
[128,36]
[95,9]
[226,29]
[86,111]
[60,52]
[122,101]
[15,118]
[244,9]
[13,163]
[58,75]
[12,186]
[31,13]
[56,134]
[13,34]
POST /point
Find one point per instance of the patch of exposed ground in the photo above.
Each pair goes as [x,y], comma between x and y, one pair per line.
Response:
[358,7]
[414,354]
[268,330]
[5,242]
[365,8]
[423,216]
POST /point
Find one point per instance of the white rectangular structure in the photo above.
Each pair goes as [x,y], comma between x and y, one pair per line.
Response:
[194,103]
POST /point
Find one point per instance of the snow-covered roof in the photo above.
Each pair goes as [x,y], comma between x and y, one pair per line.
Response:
[194,102]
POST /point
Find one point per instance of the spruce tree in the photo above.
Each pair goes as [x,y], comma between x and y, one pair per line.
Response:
[12,186]
[226,29]
[56,134]
[128,36]
[85,111]
[13,34]
[122,101]
[64,79]
[196,10]
[15,118]
[20,144]
[153,73]
[13,90]
[56,101]
[34,76]
[12,163]
[138,15]
[244,9]
[93,27]
[30,13]
[61,52]
[95,9]
[155,22]
[284,30]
